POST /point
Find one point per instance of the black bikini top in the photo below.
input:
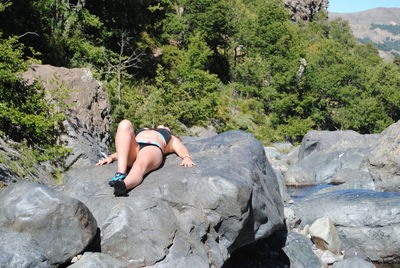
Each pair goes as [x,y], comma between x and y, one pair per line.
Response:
[164,133]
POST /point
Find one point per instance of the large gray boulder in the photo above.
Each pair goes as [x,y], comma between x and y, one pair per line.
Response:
[324,154]
[367,219]
[322,167]
[383,162]
[329,141]
[60,225]
[20,250]
[182,217]
[347,179]
[88,114]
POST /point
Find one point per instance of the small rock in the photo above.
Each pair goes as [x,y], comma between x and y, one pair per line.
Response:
[76,258]
[327,257]
[273,153]
[323,234]
[299,250]
[97,260]
[290,218]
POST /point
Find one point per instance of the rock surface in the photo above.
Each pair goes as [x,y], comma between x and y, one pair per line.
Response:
[323,155]
[345,169]
[323,234]
[355,252]
[322,167]
[203,132]
[15,166]
[60,225]
[327,257]
[331,141]
[19,250]
[305,9]
[299,250]
[353,263]
[191,217]
[97,260]
[355,179]
[367,219]
[383,162]
[88,112]
[273,153]
[282,186]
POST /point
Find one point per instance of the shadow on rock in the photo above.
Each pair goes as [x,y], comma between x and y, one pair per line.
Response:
[266,252]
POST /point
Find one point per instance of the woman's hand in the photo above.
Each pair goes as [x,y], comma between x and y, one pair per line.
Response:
[105,161]
[187,162]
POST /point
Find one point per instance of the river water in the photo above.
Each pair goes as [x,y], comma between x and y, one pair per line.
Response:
[298,193]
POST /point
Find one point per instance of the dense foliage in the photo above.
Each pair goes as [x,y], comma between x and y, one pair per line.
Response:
[240,64]
[26,114]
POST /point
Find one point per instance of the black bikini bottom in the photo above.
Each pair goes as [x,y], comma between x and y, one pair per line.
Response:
[142,145]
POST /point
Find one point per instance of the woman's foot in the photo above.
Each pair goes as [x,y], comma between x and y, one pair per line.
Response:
[117,177]
[120,188]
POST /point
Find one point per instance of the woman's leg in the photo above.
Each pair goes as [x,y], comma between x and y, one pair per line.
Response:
[148,159]
[126,146]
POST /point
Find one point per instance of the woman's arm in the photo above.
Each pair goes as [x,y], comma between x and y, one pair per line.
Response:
[108,160]
[182,152]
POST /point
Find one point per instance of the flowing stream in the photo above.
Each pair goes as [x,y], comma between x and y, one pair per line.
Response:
[299,193]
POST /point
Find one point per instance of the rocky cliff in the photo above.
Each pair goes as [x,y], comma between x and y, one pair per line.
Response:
[305,9]
[88,114]
[86,127]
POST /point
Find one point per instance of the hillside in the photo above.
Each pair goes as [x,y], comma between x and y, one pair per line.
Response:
[244,66]
[381,26]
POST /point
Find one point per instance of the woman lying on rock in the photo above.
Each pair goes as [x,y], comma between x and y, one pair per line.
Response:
[143,151]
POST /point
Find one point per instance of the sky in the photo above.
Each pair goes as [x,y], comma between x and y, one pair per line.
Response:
[347,6]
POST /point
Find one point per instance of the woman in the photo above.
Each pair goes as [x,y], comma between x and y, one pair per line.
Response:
[143,151]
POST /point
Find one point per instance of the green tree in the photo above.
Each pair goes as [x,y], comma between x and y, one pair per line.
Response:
[65,32]
[184,92]
[25,113]
[210,19]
